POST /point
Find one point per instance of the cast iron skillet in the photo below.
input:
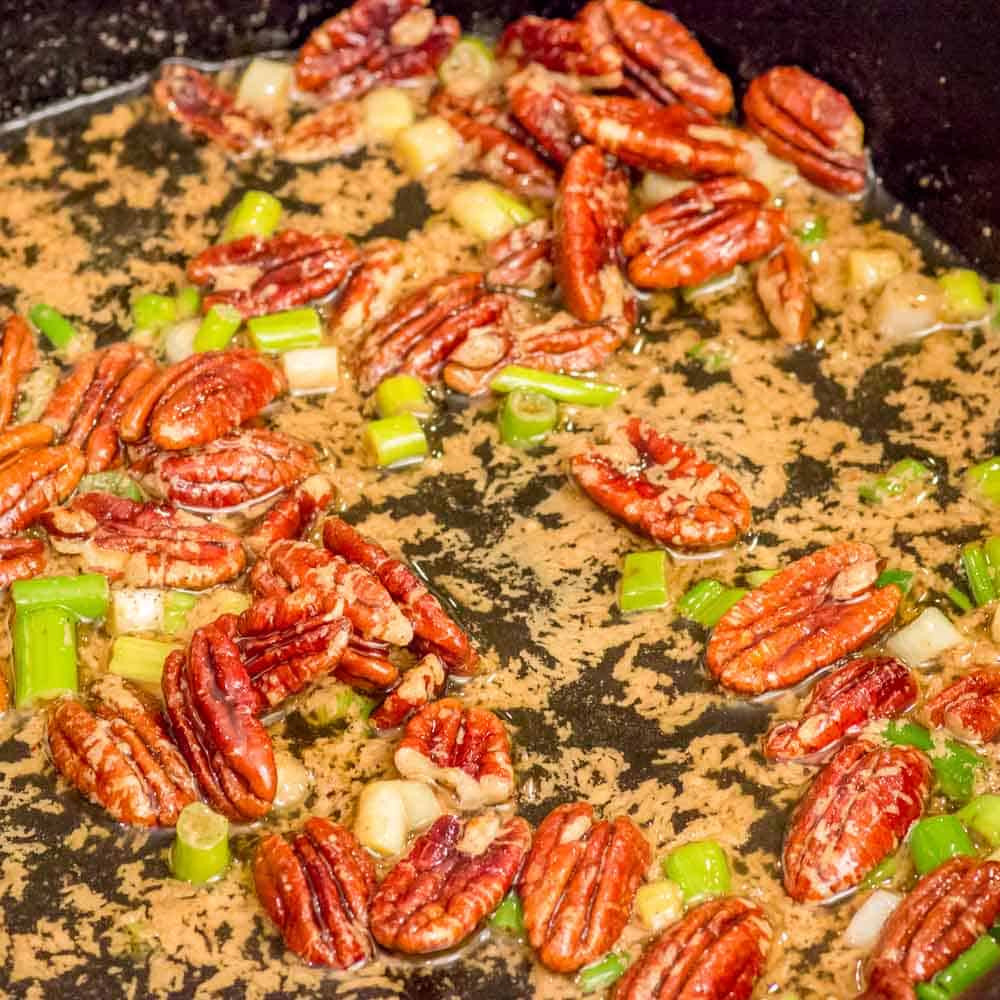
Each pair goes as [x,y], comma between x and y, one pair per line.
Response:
[925,77]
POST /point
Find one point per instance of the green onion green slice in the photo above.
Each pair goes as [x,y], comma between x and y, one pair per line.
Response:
[562,388]
[526,417]
[700,869]
[59,330]
[218,327]
[937,839]
[286,331]
[977,570]
[982,815]
[138,659]
[395,440]
[200,850]
[45,664]
[644,581]
[117,483]
[402,394]
[509,915]
[603,973]
[86,595]
[257,214]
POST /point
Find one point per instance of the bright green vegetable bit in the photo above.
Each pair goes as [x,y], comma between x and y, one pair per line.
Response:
[644,581]
[200,851]
[955,770]
[985,478]
[982,815]
[177,605]
[895,577]
[601,974]
[895,482]
[712,359]
[470,57]
[257,214]
[402,394]
[813,230]
[286,331]
[970,966]
[509,915]
[909,734]
[935,840]
[991,549]
[44,654]
[53,324]
[153,312]
[526,418]
[882,874]
[958,599]
[218,327]
[188,302]
[964,296]
[395,439]
[138,659]
[928,991]
[757,577]
[977,570]
[699,597]
[117,483]
[700,869]
[86,595]
[563,388]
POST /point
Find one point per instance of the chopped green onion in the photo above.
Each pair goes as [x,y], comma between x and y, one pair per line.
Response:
[712,614]
[218,327]
[963,292]
[813,230]
[311,370]
[699,868]
[395,439]
[177,605]
[468,68]
[509,915]
[601,974]
[958,598]
[152,312]
[982,815]
[138,659]
[386,111]
[977,570]
[955,770]
[928,991]
[116,483]
[991,549]
[53,324]
[758,577]
[44,654]
[895,482]
[562,388]
[935,840]
[707,601]
[909,734]
[402,394]
[643,583]
[882,874]
[333,704]
[711,358]
[985,478]
[85,595]
[486,211]
[969,967]
[188,302]
[526,418]
[896,578]
[200,851]
[257,214]
[286,331]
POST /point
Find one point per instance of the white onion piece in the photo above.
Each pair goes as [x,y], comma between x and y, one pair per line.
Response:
[381,824]
[178,340]
[659,187]
[867,923]
[909,307]
[774,174]
[311,369]
[427,146]
[920,642]
[294,781]
[264,87]
[868,270]
[386,112]
[422,806]
[136,609]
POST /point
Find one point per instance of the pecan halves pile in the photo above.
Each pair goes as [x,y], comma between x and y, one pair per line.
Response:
[196,101]
[940,918]
[317,888]
[663,489]
[704,231]
[145,544]
[294,515]
[212,707]
[809,123]
[18,356]
[578,885]
[374,41]
[454,875]
[466,750]
[969,706]
[233,470]
[20,559]
[841,703]
[822,607]
[717,951]
[857,811]
[589,219]
[783,290]
[85,409]
[420,685]
[258,275]
[202,398]
[434,631]
[118,754]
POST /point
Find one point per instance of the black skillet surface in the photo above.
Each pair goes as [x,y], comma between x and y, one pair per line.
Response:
[932,142]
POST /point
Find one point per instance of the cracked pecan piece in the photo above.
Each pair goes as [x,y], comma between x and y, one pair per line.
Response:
[372,42]
[212,708]
[202,398]
[466,750]
[331,132]
[858,810]
[317,889]
[434,631]
[145,544]
[117,753]
[18,355]
[372,290]
[522,259]
[541,105]
[969,707]
[196,101]
[662,489]
[20,559]
[589,219]
[294,515]
[843,702]
[420,685]
[809,123]
[578,884]
[783,290]
[716,951]
[821,608]
[454,875]
[256,275]
[942,916]
[704,231]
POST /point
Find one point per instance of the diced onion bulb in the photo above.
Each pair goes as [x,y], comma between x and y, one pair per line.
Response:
[487,212]
[774,174]
[294,781]
[909,307]
[381,824]
[426,146]
[867,922]
[659,903]
[869,270]
[659,187]
[386,112]
[925,638]
[264,87]
[311,369]
[135,610]
[420,802]
[178,340]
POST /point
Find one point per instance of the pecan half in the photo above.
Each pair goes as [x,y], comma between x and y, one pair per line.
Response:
[294,515]
[18,356]
[371,42]
[212,708]
[522,259]
[841,703]
[464,749]
[257,275]
[454,875]
[541,105]
[589,219]
[783,290]
[420,685]
[20,559]
[716,951]
[807,122]
[201,398]
[822,607]
[196,101]
[858,810]
[434,631]
[579,881]
[118,754]
[662,488]
[145,544]
[948,909]
[969,706]
[317,890]
[331,132]
[704,231]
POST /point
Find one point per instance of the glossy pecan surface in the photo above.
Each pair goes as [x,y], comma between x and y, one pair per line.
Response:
[331,132]
[420,685]
[783,290]
[969,706]
[18,355]
[522,259]
[20,559]
[293,515]
[542,105]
